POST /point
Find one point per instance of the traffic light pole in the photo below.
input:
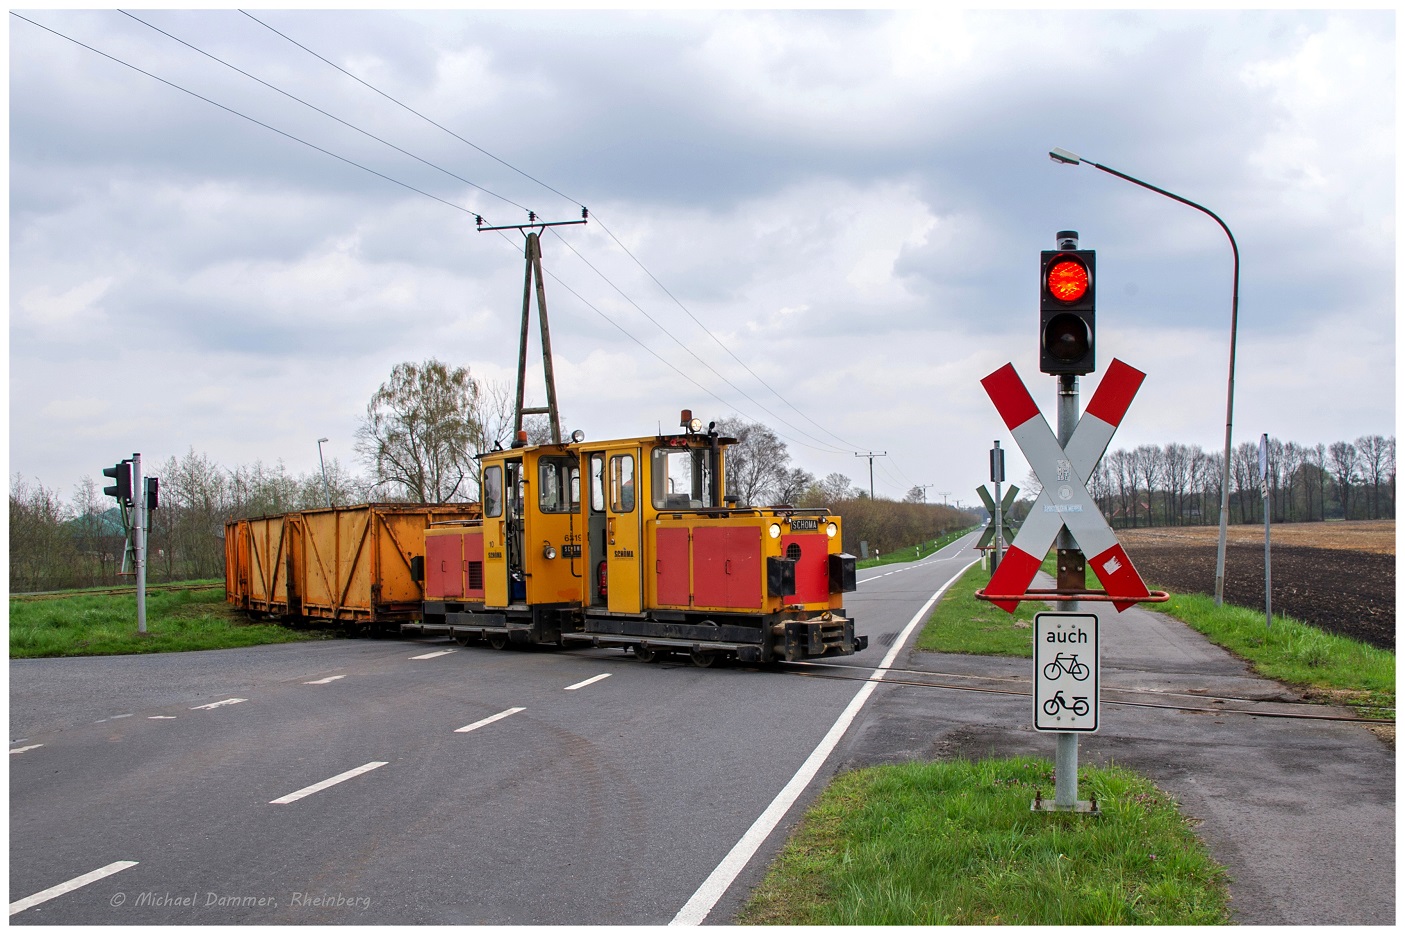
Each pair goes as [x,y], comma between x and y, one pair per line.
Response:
[1072,574]
[139,539]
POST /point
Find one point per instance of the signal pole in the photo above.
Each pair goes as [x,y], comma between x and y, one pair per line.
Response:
[139,539]
[870,455]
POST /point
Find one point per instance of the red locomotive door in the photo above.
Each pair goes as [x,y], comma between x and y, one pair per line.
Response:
[671,567]
[727,567]
[443,566]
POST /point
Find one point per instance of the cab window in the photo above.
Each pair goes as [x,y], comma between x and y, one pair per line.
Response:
[622,483]
[492,490]
[682,479]
[558,485]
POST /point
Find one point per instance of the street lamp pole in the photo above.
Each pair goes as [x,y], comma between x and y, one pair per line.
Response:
[325,486]
[1067,158]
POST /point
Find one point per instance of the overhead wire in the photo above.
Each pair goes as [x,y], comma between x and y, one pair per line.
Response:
[603,226]
[825,447]
[364,168]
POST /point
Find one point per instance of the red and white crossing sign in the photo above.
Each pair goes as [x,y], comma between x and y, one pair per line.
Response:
[1063,471]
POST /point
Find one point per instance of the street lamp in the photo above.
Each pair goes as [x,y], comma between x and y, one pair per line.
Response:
[325,486]
[1065,157]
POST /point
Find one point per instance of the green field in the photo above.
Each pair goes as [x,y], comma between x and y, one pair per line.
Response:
[95,624]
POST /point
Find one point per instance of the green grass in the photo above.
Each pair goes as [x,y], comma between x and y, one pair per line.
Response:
[962,624]
[1325,666]
[956,843]
[106,624]
[909,553]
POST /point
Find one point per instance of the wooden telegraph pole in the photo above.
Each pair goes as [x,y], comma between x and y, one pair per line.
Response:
[533,276]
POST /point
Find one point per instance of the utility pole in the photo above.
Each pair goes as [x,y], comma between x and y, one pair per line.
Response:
[533,254]
[870,455]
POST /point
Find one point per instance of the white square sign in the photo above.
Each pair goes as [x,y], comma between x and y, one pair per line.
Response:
[1066,672]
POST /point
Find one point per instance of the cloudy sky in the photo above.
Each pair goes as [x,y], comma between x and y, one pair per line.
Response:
[829,222]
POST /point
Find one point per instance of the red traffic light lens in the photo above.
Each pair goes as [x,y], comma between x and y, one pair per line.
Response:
[1067,280]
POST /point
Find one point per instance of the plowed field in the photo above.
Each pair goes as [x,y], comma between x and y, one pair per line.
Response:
[1337,576]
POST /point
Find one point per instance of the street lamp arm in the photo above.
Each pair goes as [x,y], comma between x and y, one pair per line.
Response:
[1067,158]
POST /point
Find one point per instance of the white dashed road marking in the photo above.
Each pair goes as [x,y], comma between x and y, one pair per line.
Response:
[44,896]
[328,783]
[330,678]
[442,652]
[487,720]
[218,704]
[589,681]
[33,746]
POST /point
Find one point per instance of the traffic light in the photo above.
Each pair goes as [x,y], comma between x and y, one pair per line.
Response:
[1067,283]
[153,486]
[121,473]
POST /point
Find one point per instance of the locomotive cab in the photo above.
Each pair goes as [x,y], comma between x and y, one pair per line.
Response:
[633,543]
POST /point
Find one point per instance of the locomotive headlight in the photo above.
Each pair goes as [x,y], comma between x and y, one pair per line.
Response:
[775,530]
[548,551]
[577,436]
[831,530]
[695,425]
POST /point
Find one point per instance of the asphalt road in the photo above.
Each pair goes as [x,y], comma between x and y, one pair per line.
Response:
[473,786]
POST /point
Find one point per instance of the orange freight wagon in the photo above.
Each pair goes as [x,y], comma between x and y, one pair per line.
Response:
[359,565]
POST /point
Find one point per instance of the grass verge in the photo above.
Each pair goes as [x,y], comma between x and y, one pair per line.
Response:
[955,843]
[911,553]
[1325,666]
[106,624]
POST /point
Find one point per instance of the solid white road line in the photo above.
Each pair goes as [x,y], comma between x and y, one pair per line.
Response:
[218,704]
[160,717]
[589,681]
[487,720]
[330,678]
[33,746]
[695,910]
[442,652]
[44,896]
[327,783]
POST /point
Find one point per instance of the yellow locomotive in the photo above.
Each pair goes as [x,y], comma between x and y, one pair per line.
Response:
[633,543]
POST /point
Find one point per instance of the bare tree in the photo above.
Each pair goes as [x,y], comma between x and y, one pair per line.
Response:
[420,430]
[1344,462]
[1374,452]
[757,463]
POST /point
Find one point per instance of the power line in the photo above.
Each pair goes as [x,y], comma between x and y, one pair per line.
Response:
[236,113]
[846,445]
[324,113]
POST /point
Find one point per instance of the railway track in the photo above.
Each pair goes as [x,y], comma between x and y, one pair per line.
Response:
[127,589]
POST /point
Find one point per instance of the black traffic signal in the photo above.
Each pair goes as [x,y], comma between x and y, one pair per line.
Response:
[1067,283]
[153,486]
[121,473]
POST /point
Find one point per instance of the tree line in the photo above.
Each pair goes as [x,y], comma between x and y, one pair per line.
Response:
[1179,485]
[415,443]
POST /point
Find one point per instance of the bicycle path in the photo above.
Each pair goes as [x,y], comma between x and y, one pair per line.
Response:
[1300,812]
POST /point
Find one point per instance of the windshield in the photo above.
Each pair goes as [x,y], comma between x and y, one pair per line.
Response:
[682,478]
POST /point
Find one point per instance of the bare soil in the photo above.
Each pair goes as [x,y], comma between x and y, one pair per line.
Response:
[1336,576]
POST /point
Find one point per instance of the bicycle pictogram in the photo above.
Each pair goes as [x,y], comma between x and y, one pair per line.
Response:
[1069,664]
[1058,703]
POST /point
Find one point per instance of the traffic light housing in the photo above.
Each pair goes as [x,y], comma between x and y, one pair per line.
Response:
[121,473]
[1067,325]
[153,488]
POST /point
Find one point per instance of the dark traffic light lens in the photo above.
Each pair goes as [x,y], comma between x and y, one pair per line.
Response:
[1066,337]
[1068,280]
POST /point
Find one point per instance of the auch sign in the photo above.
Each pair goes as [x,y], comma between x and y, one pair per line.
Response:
[1066,672]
